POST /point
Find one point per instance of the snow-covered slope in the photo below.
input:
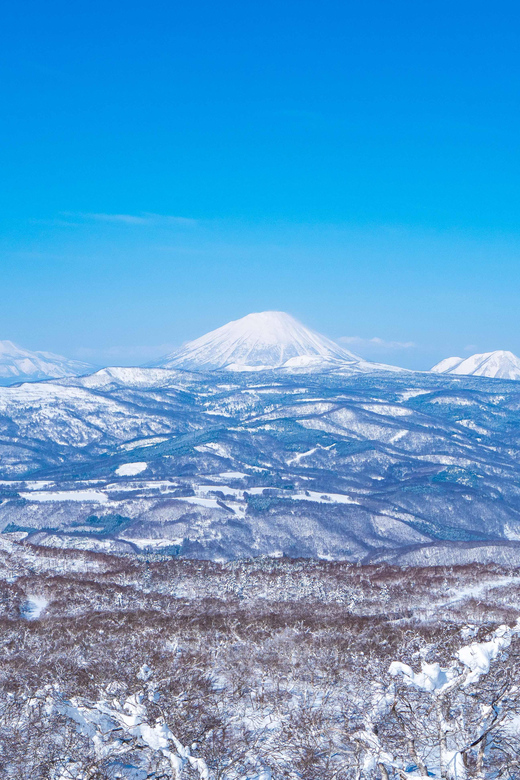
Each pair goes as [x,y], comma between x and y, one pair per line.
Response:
[332,463]
[499,364]
[264,340]
[18,364]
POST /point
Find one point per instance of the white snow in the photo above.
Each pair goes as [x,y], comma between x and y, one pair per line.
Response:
[407,394]
[455,400]
[431,677]
[152,541]
[105,720]
[33,607]
[314,361]
[476,591]
[323,498]
[297,458]
[131,469]
[132,445]
[214,448]
[163,485]
[130,376]
[476,658]
[40,484]
[207,502]
[473,426]
[244,367]
[390,410]
[309,495]
[95,496]
[455,766]
[447,365]
[236,492]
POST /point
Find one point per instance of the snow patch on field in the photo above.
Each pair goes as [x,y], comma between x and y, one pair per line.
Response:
[207,502]
[163,485]
[300,455]
[132,445]
[308,495]
[33,607]
[225,489]
[94,496]
[390,410]
[131,469]
[214,448]
[152,542]
[473,426]
[457,400]
[323,498]
[407,394]
[38,485]
[398,436]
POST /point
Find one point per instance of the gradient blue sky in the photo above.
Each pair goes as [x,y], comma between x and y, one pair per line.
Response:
[166,167]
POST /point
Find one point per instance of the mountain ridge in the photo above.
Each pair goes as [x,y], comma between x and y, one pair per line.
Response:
[499,364]
[18,365]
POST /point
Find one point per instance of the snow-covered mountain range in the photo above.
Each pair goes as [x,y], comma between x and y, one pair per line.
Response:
[20,365]
[220,465]
[262,437]
[499,364]
[264,340]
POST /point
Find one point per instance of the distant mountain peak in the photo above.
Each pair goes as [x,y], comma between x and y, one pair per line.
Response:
[499,364]
[265,339]
[18,365]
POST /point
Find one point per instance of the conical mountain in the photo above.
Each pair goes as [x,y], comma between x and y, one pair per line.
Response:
[262,340]
[499,364]
[19,365]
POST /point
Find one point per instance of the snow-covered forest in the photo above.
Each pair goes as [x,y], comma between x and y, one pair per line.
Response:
[255,670]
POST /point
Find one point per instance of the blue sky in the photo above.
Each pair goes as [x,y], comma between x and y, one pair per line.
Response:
[166,167]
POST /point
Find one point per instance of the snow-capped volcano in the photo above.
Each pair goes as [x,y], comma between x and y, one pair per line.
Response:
[267,339]
[18,364]
[499,365]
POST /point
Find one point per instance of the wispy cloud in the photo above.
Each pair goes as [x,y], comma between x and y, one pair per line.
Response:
[145,218]
[376,343]
[126,219]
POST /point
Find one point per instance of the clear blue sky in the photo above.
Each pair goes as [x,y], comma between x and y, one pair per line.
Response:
[166,167]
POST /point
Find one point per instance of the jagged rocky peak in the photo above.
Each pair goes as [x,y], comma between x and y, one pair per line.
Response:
[499,364]
[18,365]
[267,339]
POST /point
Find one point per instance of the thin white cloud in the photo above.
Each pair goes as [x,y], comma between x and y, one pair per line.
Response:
[146,218]
[127,219]
[375,343]
[471,348]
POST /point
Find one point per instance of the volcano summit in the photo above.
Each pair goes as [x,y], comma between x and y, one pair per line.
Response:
[268,339]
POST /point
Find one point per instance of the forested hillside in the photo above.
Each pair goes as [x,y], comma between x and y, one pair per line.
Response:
[138,668]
